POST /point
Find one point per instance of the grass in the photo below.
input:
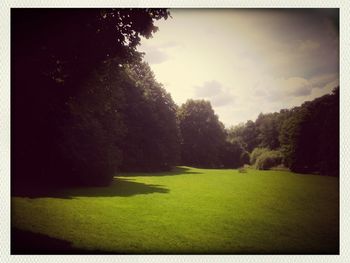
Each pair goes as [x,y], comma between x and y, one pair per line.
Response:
[187,210]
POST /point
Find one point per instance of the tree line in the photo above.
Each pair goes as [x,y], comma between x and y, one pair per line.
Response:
[304,139]
[86,105]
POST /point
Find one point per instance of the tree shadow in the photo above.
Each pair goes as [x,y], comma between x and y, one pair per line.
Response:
[121,187]
[29,243]
[179,170]
[25,242]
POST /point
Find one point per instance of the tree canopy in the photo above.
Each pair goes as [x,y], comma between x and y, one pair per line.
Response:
[307,136]
[72,84]
[202,134]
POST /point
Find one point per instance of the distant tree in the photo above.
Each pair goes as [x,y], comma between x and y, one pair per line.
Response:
[289,138]
[236,133]
[202,134]
[250,135]
[267,126]
[246,134]
[310,136]
[233,155]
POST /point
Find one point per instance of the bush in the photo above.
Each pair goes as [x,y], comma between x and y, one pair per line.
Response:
[268,159]
[242,170]
[256,153]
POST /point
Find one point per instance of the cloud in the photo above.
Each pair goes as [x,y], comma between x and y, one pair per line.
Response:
[276,89]
[208,89]
[215,93]
[331,85]
[272,94]
[157,54]
[321,81]
[222,99]
[170,44]
[308,45]
[297,86]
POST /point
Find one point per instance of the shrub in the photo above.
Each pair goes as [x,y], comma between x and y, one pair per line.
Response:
[268,159]
[256,153]
[242,170]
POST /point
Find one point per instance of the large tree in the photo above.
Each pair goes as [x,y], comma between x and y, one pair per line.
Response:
[267,126]
[57,56]
[152,140]
[310,136]
[202,134]
[247,134]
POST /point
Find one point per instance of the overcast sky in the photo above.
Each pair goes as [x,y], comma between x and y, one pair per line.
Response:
[245,61]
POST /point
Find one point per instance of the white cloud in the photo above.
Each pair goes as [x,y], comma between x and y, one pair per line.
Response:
[208,89]
[320,81]
[158,53]
[296,86]
[308,45]
[215,93]
[155,56]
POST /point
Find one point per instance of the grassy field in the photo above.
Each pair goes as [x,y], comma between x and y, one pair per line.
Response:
[184,211]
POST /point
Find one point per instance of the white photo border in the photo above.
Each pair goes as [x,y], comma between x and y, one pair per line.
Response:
[5,134]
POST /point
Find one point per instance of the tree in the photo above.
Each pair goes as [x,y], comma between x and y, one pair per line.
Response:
[250,136]
[55,53]
[246,134]
[233,155]
[202,134]
[310,136]
[152,140]
[329,137]
[237,133]
[88,149]
[267,126]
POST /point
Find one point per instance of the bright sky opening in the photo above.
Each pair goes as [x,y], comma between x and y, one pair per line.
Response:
[246,61]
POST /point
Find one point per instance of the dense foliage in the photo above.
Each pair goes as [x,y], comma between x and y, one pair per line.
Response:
[268,160]
[307,136]
[233,155]
[76,97]
[310,136]
[152,139]
[202,134]
[204,140]
[256,154]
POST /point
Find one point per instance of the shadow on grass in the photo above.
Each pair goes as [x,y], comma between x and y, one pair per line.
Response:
[179,170]
[119,187]
[25,242]
[29,243]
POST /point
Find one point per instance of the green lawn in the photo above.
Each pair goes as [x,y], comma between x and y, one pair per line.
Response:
[187,211]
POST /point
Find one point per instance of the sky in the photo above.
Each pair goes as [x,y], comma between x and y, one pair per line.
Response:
[245,61]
